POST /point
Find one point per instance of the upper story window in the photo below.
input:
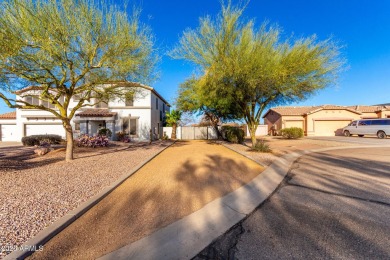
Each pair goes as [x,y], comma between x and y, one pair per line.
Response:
[129,102]
[101,105]
[164,108]
[47,104]
[156,103]
[76,97]
[33,100]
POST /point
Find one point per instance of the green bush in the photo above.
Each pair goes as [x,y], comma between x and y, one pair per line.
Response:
[105,132]
[38,139]
[292,132]
[233,134]
[262,146]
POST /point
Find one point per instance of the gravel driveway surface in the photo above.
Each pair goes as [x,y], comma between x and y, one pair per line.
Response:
[36,191]
[333,205]
[179,181]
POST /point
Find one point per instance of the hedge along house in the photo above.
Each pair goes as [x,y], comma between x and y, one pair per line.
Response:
[135,116]
[325,120]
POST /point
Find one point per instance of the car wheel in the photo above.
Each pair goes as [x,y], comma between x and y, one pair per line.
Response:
[346,133]
[381,135]
[360,135]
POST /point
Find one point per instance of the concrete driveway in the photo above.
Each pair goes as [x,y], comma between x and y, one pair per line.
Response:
[334,204]
[10,144]
[366,140]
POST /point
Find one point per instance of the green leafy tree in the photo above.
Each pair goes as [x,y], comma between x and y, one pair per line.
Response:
[248,69]
[172,119]
[193,99]
[67,48]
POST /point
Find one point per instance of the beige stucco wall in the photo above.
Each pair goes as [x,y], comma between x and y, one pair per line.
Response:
[384,114]
[370,115]
[273,119]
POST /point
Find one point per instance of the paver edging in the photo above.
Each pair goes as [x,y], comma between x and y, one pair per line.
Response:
[57,226]
[185,238]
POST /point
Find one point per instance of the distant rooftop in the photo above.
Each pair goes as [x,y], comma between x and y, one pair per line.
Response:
[9,115]
[304,110]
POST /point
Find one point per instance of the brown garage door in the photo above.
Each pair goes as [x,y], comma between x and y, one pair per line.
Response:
[329,128]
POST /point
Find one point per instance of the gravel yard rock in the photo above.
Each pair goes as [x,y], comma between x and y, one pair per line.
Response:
[36,191]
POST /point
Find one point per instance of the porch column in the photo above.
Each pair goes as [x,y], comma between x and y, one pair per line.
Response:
[111,125]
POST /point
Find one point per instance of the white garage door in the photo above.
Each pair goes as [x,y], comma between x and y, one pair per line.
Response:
[45,130]
[329,128]
[8,133]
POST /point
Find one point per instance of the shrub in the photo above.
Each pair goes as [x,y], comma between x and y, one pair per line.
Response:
[92,141]
[123,137]
[233,134]
[292,132]
[41,139]
[262,146]
[105,131]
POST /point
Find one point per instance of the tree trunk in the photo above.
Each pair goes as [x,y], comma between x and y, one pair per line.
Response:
[173,135]
[69,141]
[252,132]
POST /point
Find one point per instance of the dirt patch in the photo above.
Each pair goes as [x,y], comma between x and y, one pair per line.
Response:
[181,180]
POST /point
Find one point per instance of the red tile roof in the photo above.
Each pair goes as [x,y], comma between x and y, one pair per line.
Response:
[9,115]
[96,112]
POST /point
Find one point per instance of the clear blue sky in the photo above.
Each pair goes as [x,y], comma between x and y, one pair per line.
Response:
[362,26]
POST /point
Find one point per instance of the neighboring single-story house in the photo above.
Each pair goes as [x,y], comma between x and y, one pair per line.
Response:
[136,117]
[325,120]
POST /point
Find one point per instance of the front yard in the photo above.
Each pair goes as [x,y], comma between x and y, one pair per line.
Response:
[36,191]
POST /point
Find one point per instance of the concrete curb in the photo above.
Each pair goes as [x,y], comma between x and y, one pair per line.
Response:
[185,238]
[49,232]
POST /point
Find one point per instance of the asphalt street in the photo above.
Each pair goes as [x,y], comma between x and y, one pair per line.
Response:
[332,205]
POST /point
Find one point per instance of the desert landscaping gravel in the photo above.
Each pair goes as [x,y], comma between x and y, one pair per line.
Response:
[36,191]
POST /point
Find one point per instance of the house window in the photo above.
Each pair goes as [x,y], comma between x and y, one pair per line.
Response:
[163,108]
[101,105]
[130,126]
[77,126]
[129,102]
[161,115]
[33,100]
[156,103]
[47,104]
[76,97]
[133,126]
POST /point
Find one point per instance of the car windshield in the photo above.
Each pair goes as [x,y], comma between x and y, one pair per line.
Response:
[352,123]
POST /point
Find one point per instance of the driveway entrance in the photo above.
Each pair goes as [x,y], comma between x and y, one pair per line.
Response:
[333,205]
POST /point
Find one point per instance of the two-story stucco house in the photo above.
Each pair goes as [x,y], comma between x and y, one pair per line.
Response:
[135,116]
